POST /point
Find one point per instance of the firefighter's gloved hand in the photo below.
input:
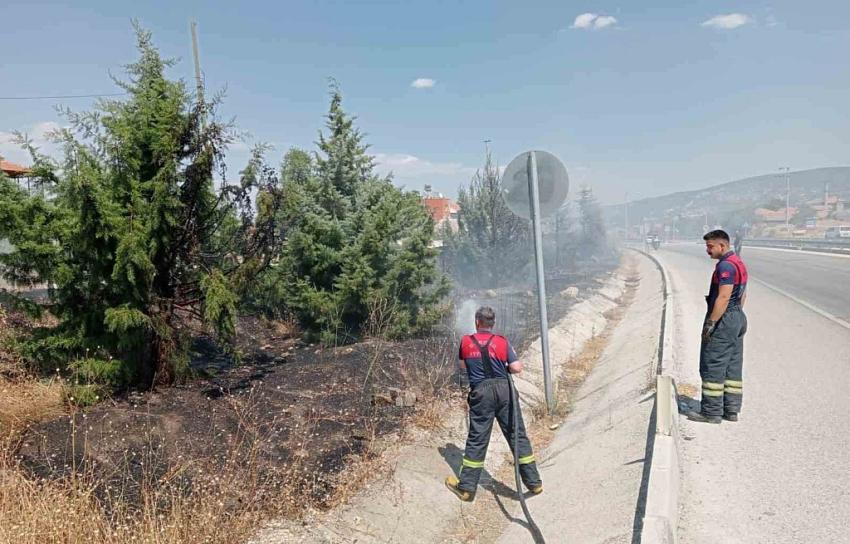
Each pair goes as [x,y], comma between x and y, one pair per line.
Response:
[708,329]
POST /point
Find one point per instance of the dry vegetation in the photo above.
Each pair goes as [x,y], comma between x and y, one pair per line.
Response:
[87,506]
[259,466]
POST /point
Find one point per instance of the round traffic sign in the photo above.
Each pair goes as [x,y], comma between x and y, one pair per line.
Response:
[552,180]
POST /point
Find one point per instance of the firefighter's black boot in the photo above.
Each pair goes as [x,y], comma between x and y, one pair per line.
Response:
[730,416]
[703,418]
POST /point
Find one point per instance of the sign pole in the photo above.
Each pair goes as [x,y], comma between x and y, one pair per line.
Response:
[534,198]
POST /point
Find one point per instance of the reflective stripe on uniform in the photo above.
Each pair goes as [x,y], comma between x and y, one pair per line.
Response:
[711,389]
[526,460]
[736,387]
[472,464]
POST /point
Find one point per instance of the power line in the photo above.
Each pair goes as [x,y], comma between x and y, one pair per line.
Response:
[60,96]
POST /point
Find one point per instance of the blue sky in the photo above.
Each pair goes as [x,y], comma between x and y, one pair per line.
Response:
[647,97]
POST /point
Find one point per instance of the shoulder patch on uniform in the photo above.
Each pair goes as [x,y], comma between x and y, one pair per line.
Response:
[725,274]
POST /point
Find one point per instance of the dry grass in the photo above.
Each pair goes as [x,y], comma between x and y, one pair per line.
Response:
[687,390]
[207,500]
[68,511]
[359,473]
[215,499]
[431,413]
[26,402]
[222,502]
[201,500]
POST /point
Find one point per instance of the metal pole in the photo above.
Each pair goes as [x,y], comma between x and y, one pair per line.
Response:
[787,197]
[534,197]
[626,236]
[198,81]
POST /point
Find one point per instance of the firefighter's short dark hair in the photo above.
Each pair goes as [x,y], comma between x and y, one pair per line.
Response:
[485,316]
[716,235]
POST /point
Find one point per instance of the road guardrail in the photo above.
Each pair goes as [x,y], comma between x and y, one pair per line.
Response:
[833,245]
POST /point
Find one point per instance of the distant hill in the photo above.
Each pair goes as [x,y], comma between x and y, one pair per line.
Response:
[733,202]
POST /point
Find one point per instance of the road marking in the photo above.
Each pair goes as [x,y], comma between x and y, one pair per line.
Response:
[823,313]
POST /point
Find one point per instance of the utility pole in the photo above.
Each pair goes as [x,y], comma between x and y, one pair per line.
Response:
[198,80]
[626,234]
[787,196]
[487,147]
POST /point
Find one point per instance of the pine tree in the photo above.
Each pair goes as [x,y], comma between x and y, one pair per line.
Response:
[593,232]
[492,243]
[139,242]
[358,248]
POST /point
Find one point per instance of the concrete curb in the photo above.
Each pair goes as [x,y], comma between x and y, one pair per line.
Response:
[661,514]
[567,337]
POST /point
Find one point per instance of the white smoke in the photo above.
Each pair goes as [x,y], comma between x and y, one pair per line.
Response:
[465,317]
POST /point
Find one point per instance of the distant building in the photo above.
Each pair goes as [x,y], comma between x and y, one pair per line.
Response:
[14,170]
[826,206]
[443,210]
[775,216]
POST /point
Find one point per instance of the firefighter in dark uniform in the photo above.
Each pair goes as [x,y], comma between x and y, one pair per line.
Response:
[721,358]
[488,358]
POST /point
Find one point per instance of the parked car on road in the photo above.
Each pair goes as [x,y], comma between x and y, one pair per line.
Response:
[842,231]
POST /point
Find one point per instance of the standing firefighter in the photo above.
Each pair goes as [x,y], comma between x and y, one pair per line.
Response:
[488,358]
[721,358]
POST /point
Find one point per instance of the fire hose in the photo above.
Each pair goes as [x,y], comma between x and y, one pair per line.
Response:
[532,526]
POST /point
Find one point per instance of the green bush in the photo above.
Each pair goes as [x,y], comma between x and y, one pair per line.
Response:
[83,395]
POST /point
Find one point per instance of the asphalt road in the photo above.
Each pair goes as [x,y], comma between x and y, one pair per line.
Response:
[821,280]
[781,474]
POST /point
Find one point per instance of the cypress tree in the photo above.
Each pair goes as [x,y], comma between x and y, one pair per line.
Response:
[140,243]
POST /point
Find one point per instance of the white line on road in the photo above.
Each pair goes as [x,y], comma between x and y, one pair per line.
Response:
[835,319]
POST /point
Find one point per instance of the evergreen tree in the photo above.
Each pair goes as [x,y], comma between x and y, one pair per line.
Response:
[492,243]
[139,242]
[358,248]
[593,232]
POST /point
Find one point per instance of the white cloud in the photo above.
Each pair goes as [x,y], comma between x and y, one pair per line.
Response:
[594,21]
[728,21]
[585,20]
[423,83]
[604,21]
[415,172]
[39,134]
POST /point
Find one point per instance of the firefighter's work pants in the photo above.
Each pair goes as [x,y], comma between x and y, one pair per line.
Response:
[487,400]
[721,364]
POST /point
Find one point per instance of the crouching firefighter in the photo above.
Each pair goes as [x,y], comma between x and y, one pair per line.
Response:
[487,359]
[721,360]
